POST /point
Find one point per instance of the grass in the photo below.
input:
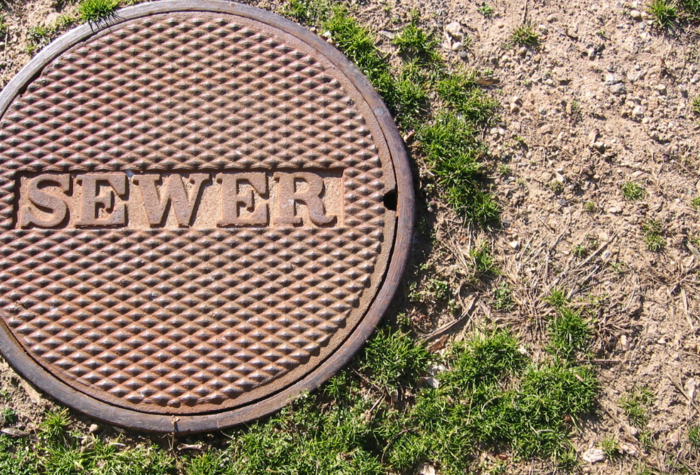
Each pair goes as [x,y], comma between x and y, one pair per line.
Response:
[652,231]
[434,290]
[54,425]
[40,36]
[17,456]
[636,406]
[370,419]
[590,207]
[694,436]
[392,359]
[664,13]
[37,38]
[691,6]
[691,10]
[696,105]
[632,191]
[461,93]
[579,250]
[486,10]
[569,333]
[557,298]
[101,457]
[415,45]
[484,262]
[611,447]
[7,416]
[359,46]
[695,203]
[307,12]
[525,35]
[96,10]
[502,298]
[454,152]
[436,428]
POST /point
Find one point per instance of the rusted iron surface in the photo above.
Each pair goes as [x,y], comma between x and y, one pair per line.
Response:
[193,217]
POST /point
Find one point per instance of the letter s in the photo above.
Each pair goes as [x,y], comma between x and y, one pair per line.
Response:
[54,204]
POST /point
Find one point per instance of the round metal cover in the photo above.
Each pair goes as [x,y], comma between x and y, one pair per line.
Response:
[205,209]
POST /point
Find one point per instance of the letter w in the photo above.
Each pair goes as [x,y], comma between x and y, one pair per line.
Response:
[174,194]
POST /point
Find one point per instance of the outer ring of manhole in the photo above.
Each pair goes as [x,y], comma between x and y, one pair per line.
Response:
[385,131]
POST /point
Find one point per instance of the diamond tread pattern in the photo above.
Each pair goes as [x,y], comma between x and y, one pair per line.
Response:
[185,320]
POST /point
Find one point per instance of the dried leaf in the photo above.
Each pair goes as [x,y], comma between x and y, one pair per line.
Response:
[439,344]
[487,80]
[11,431]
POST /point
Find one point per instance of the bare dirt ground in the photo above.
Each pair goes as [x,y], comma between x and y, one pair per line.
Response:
[605,100]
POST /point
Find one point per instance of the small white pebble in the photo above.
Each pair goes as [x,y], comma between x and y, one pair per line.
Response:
[593,455]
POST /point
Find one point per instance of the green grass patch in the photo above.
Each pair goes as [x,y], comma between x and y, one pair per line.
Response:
[486,10]
[692,9]
[694,436]
[611,447]
[76,454]
[411,93]
[663,12]
[632,191]
[358,44]
[502,298]
[569,331]
[392,359]
[652,230]
[18,456]
[7,416]
[37,38]
[453,152]
[696,105]
[557,298]
[96,10]
[484,262]
[415,45]
[371,419]
[106,458]
[579,250]
[55,424]
[461,93]
[307,12]
[636,406]
[525,35]
[433,290]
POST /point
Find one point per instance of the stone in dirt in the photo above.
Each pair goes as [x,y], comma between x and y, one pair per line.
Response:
[618,89]
[454,29]
[426,469]
[594,455]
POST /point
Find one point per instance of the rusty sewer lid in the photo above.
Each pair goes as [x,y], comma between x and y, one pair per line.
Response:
[205,210]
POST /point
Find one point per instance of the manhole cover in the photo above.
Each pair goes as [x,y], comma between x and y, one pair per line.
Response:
[204,211]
